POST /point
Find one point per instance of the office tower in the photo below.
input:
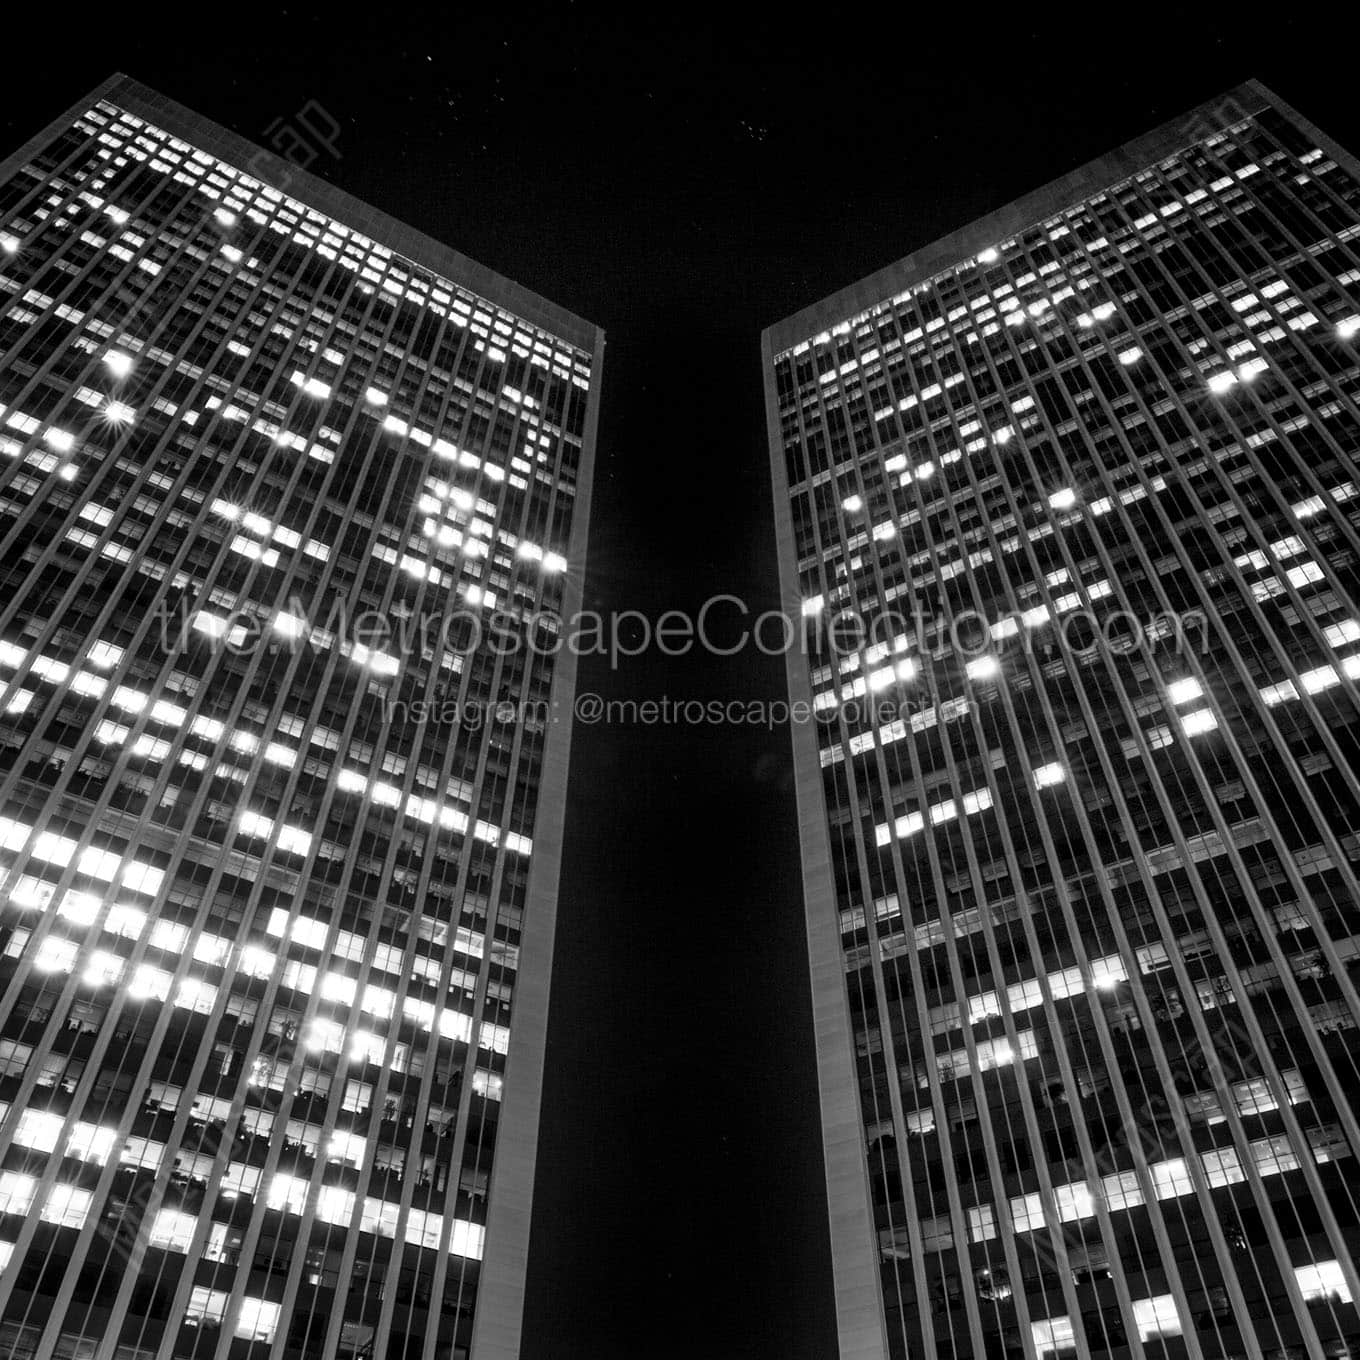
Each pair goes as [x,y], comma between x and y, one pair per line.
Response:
[291,497]
[1068,504]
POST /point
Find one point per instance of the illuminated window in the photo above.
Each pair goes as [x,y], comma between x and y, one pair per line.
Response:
[1182,691]
[1047,775]
[1202,720]
[1156,1317]
[1323,1281]
[172,1230]
[207,1307]
[1052,1336]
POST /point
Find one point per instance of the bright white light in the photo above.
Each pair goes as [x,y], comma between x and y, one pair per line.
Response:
[1064,499]
[60,440]
[314,387]
[983,668]
[9,244]
[1130,356]
[1222,382]
[232,254]
[1252,369]
[906,669]
[813,606]
[554,562]
[853,503]
[375,398]
[119,412]
[117,216]
[67,472]
[989,256]
[227,219]
[119,364]
[1348,329]
[1182,691]
[925,472]
[1202,720]
[1048,775]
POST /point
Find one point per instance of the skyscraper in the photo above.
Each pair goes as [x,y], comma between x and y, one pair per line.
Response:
[291,498]
[1068,502]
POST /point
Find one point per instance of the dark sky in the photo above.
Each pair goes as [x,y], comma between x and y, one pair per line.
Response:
[683,183]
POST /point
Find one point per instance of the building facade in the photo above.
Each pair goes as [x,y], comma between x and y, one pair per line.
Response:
[290,499]
[1069,506]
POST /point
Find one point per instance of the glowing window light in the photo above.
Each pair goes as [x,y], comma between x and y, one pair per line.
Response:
[225,217]
[554,562]
[1202,720]
[125,922]
[1048,775]
[1304,575]
[1182,691]
[983,668]
[67,473]
[1323,1280]
[149,983]
[173,1230]
[294,840]
[253,824]
[1064,499]
[91,1143]
[989,256]
[59,440]
[925,472]
[1252,369]
[290,625]
[1156,1317]
[16,1192]
[853,503]
[38,1129]
[55,955]
[906,669]
[1222,382]
[375,398]
[232,254]
[119,412]
[377,661]
[102,969]
[314,387]
[118,363]
[1348,328]
[9,244]
[905,826]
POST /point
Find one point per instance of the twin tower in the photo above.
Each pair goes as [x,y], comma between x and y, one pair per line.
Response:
[1068,507]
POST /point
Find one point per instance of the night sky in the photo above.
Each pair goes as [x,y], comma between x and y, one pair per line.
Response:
[683,183]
